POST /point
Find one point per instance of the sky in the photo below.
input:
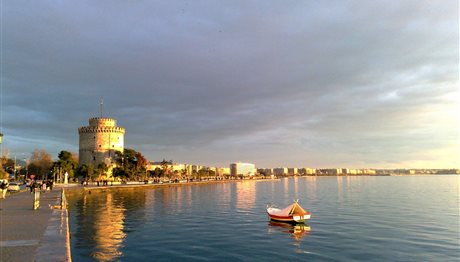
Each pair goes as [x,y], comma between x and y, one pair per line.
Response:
[352,84]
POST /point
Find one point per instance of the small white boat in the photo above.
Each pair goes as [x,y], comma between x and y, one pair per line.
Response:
[292,213]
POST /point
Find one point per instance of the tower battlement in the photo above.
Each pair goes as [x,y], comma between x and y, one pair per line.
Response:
[101,121]
[101,129]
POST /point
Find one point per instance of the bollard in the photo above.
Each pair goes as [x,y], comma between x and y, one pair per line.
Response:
[63,200]
[36,199]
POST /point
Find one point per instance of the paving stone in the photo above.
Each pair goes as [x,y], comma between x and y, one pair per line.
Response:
[22,229]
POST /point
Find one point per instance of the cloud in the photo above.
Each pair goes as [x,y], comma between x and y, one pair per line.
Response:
[326,84]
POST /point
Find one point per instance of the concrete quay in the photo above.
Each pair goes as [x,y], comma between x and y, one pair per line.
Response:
[34,235]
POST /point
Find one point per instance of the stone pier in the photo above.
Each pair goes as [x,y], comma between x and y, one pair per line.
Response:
[34,235]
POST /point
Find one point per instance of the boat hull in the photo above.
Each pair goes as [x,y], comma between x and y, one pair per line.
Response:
[290,219]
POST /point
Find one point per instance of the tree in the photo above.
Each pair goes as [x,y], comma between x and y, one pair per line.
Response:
[67,163]
[40,163]
[166,166]
[8,165]
[176,174]
[203,173]
[130,164]
[141,162]
[184,174]
[158,172]
[212,173]
[119,172]
[86,171]
[3,174]
[102,169]
[194,174]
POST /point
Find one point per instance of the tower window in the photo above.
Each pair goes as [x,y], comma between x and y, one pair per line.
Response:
[99,145]
[94,158]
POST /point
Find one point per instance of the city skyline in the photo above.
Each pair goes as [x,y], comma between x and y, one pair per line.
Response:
[350,85]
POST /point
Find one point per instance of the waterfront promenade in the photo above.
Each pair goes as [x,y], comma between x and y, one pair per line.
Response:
[33,235]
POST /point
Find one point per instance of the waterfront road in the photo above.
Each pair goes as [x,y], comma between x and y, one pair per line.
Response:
[23,230]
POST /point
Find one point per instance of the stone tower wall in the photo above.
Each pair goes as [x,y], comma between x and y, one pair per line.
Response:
[99,141]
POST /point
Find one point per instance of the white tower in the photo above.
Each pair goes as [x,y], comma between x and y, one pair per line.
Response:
[99,141]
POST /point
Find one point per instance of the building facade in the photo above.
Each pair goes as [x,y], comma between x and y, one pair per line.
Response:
[99,141]
[292,171]
[280,171]
[242,169]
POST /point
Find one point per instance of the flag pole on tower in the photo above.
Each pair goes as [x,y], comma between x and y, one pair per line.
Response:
[102,105]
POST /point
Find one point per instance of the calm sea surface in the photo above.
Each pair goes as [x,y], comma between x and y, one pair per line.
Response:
[403,218]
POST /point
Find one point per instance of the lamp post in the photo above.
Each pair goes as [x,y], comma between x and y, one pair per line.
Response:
[27,170]
[14,169]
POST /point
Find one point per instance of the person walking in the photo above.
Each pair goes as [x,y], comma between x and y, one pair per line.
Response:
[44,186]
[36,186]
[1,188]
[4,188]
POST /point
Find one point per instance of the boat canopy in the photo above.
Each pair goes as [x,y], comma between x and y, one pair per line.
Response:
[290,210]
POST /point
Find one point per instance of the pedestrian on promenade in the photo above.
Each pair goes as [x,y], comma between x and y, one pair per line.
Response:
[4,188]
[44,186]
[31,187]
[51,185]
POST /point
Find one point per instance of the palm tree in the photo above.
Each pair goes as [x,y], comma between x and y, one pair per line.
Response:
[165,166]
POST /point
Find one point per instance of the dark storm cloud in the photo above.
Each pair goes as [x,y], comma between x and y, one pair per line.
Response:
[335,83]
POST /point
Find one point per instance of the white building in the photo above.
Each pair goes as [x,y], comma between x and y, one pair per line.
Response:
[242,169]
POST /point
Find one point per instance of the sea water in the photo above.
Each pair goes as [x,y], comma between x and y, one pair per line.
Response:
[354,218]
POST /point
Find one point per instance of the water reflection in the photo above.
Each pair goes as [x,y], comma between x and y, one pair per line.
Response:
[340,186]
[297,231]
[100,219]
[108,233]
[310,187]
[296,187]
[245,194]
[224,192]
[286,186]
